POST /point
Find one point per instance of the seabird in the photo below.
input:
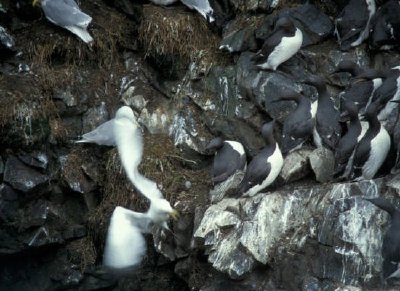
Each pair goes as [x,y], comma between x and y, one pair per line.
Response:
[391,239]
[230,157]
[372,149]
[129,142]
[104,133]
[327,129]
[265,166]
[201,6]
[385,26]
[344,151]
[67,14]
[362,85]
[299,124]
[352,24]
[283,43]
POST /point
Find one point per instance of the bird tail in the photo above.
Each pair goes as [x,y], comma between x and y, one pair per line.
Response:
[82,33]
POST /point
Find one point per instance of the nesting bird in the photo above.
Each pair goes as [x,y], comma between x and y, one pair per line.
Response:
[230,157]
[125,245]
[265,167]
[201,6]
[344,152]
[299,124]
[283,43]
[385,26]
[67,14]
[327,129]
[352,24]
[371,151]
[391,239]
[362,86]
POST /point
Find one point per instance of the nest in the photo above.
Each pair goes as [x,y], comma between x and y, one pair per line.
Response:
[173,33]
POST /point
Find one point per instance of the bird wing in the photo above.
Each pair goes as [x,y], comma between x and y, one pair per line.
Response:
[269,45]
[202,6]
[65,13]
[101,135]
[125,245]
[257,170]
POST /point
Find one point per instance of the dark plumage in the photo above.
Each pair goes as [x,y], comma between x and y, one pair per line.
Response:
[371,151]
[352,24]
[299,124]
[265,166]
[327,128]
[347,144]
[281,45]
[385,26]
[229,158]
[363,83]
[391,239]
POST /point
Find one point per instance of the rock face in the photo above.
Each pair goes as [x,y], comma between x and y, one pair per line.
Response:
[187,82]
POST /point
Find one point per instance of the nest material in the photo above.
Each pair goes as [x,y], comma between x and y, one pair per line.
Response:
[176,33]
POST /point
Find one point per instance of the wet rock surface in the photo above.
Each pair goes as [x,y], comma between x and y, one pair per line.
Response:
[304,232]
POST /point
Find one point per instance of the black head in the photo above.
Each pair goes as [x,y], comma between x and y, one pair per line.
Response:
[288,95]
[214,144]
[372,111]
[347,66]
[267,131]
[284,22]
[351,108]
[316,81]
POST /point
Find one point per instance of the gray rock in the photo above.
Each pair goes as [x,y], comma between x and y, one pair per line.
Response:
[94,116]
[296,165]
[22,177]
[8,203]
[7,43]
[238,38]
[322,163]
[221,190]
[37,159]
[66,96]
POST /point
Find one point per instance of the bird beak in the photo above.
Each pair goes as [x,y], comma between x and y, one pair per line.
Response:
[174,214]
[35,2]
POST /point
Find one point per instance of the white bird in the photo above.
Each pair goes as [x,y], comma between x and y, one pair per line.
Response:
[67,14]
[201,6]
[125,244]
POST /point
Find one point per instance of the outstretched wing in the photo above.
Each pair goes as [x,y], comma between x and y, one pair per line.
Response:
[125,245]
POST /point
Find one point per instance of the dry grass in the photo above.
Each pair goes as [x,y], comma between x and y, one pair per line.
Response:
[82,252]
[175,34]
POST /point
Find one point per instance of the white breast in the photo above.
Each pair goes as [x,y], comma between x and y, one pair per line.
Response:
[285,50]
[380,146]
[237,146]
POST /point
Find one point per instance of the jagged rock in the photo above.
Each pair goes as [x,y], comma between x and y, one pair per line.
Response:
[94,117]
[271,225]
[220,190]
[238,38]
[37,159]
[254,5]
[66,96]
[1,166]
[296,165]
[322,163]
[22,177]
[7,44]
[316,26]
[8,203]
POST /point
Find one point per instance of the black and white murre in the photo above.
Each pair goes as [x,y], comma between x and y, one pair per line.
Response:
[391,239]
[283,43]
[327,129]
[389,91]
[362,86]
[372,149]
[265,167]
[299,124]
[230,157]
[352,24]
[385,26]
[344,152]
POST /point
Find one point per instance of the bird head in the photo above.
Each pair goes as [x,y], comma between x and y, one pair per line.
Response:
[214,144]
[160,211]
[36,2]
[126,112]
